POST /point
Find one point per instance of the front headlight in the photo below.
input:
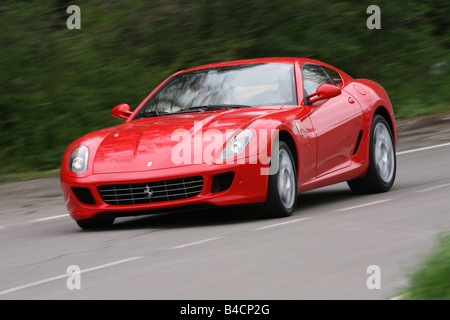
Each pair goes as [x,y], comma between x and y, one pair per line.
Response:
[237,144]
[78,159]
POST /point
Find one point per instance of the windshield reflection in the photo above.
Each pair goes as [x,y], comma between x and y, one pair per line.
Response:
[249,85]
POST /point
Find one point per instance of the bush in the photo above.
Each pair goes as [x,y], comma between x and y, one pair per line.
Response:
[431,279]
[58,84]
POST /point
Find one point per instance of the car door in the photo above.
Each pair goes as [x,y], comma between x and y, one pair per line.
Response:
[336,122]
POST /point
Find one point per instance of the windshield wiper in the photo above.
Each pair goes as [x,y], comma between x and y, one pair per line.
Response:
[155,113]
[220,106]
[188,110]
[152,113]
[210,107]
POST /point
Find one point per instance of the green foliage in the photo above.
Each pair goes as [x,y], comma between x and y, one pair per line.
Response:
[58,84]
[431,280]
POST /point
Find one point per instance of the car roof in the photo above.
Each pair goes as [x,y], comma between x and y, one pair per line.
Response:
[290,60]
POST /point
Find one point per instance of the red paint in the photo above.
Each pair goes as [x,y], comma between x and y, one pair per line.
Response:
[359,89]
[324,136]
[121,111]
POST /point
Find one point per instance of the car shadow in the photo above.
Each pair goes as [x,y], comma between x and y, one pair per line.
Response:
[320,197]
[191,218]
[227,215]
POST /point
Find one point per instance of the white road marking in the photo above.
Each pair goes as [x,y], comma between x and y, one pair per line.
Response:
[62,276]
[111,264]
[424,148]
[364,205]
[282,223]
[434,188]
[51,218]
[21,223]
[195,243]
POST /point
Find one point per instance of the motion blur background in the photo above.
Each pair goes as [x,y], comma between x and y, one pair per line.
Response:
[57,84]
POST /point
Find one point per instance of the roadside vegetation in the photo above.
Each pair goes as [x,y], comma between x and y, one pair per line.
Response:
[430,280]
[58,84]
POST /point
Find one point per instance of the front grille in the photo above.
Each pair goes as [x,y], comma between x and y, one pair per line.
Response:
[160,191]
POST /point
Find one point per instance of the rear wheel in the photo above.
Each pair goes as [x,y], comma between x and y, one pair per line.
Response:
[95,223]
[380,175]
[282,189]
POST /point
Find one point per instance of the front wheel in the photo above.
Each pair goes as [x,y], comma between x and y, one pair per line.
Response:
[380,175]
[282,189]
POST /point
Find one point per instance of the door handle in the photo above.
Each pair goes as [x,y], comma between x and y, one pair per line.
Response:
[351,100]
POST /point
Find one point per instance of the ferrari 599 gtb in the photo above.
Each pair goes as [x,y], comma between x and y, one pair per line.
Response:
[256,131]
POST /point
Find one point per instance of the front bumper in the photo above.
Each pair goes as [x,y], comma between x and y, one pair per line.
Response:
[248,186]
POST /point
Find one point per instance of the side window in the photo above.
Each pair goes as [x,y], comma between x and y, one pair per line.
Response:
[334,76]
[313,76]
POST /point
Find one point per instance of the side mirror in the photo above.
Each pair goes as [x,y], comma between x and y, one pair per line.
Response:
[121,111]
[323,92]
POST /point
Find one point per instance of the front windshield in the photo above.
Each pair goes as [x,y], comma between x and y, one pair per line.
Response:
[249,85]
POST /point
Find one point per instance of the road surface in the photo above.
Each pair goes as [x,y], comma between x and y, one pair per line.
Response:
[322,251]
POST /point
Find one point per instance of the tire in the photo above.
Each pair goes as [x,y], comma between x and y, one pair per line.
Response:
[95,223]
[382,169]
[282,189]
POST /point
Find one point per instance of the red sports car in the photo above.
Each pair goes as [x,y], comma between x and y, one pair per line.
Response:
[256,131]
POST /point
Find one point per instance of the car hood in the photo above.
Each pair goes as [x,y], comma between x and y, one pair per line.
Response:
[172,140]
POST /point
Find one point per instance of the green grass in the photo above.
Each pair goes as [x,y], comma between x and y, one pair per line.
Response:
[415,110]
[11,177]
[430,280]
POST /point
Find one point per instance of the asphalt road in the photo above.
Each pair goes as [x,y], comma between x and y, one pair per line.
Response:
[321,252]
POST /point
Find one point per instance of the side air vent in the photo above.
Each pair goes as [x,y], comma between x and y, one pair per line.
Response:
[358,142]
